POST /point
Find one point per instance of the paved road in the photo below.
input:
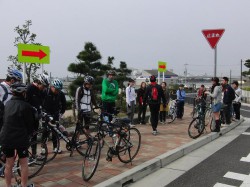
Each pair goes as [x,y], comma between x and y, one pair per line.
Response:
[224,162]
[245,110]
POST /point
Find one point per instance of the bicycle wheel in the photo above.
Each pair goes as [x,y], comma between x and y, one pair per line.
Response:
[128,144]
[53,144]
[171,116]
[36,163]
[91,158]
[196,128]
[81,141]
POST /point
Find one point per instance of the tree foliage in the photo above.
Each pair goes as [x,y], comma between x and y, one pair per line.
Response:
[247,64]
[89,63]
[25,36]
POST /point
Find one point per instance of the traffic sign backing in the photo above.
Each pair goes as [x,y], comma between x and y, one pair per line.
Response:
[213,36]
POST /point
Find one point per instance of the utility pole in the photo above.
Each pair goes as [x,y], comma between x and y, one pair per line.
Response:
[185,74]
[230,79]
[241,73]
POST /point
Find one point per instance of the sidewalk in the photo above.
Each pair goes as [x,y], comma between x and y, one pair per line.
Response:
[66,171]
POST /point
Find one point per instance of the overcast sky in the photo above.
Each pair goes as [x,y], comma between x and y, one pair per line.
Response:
[139,32]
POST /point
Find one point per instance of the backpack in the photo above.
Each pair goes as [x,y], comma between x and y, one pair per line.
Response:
[154,93]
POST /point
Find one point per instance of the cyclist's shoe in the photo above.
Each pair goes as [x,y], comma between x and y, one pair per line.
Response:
[31,185]
[59,151]
[131,125]
[32,159]
[154,133]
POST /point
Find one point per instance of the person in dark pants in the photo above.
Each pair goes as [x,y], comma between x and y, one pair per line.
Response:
[181,95]
[142,107]
[228,97]
[163,111]
[55,104]
[237,100]
[109,93]
[35,96]
[153,96]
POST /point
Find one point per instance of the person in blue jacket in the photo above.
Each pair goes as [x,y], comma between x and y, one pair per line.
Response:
[181,95]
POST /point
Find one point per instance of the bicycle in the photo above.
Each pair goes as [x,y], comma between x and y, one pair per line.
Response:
[35,163]
[197,125]
[51,128]
[171,114]
[211,121]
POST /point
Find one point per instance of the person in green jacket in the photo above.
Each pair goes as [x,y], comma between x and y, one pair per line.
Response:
[109,93]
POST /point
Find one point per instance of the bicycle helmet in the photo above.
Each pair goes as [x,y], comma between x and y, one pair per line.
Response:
[111,72]
[14,73]
[152,78]
[89,80]
[44,79]
[57,84]
[18,87]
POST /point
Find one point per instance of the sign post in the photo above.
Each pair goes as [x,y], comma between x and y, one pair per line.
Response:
[162,66]
[213,36]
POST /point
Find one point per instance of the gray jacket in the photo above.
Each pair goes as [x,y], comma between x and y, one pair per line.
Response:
[216,95]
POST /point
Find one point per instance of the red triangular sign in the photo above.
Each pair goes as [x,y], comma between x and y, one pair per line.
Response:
[213,36]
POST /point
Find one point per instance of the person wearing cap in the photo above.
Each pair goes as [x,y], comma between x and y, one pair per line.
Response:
[181,95]
[228,97]
[54,104]
[109,93]
[237,100]
[216,95]
[153,96]
[131,100]
[17,128]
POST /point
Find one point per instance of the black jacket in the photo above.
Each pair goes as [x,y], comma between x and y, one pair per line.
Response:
[34,96]
[140,96]
[228,94]
[148,95]
[54,104]
[17,124]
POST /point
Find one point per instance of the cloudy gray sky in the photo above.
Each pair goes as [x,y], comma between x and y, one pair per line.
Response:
[139,32]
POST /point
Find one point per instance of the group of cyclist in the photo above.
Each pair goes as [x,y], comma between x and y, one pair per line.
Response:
[22,110]
[222,96]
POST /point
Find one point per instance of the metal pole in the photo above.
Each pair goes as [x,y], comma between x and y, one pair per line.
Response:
[230,81]
[24,73]
[163,76]
[158,77]
[241,73]
[215,61]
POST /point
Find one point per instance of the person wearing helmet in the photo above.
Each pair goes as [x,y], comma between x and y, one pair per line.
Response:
[216,95]
[13,76]
[54,104]
[35,96]
[85,99]
[153,96]
[109,93]
[17,127]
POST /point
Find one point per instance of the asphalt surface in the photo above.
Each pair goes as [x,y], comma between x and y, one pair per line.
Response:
[245,111]
[212,170]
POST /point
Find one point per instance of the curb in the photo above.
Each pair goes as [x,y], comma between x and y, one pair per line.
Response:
[158,162]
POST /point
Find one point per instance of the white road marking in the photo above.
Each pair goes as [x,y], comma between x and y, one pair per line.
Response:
[246,133]
[222,185]
[236,176]
[245,159]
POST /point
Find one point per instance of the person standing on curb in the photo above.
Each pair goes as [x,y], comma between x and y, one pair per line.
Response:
[131,101]
[17,128]
[153,96]
[228,97]
[142,107]
[237,100]
[164,110]
[216,95]
[109,93]
[181,95]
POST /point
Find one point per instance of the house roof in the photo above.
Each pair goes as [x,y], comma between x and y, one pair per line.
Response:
[166,74]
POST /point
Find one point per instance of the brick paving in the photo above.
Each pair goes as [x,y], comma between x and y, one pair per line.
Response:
[65,171]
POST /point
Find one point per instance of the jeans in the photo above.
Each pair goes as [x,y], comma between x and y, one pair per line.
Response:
[228,112]
[180,109]
[236,107]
